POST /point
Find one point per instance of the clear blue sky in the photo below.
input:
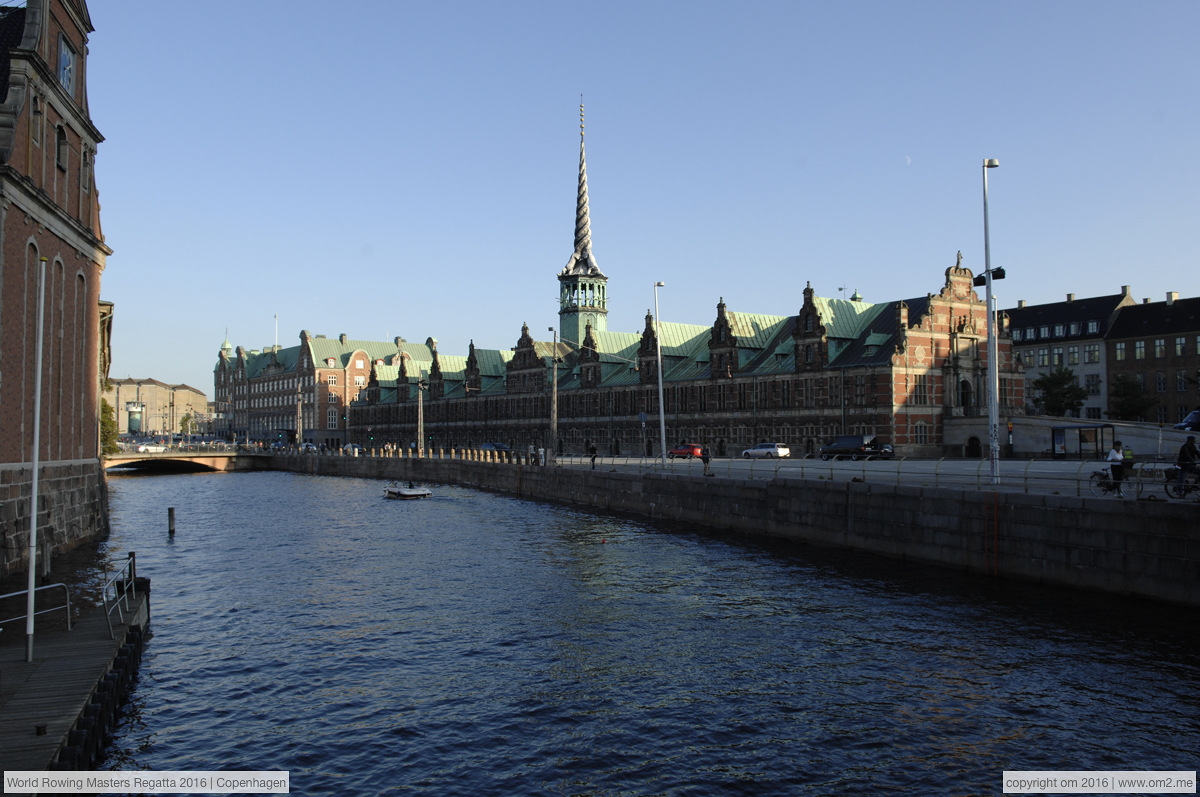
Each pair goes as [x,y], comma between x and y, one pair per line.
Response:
[387,168]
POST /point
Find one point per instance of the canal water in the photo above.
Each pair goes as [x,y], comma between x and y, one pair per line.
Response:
[479,644]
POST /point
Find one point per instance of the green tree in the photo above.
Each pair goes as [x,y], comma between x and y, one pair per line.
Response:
[108,428]
[185,423]
[1059,393]
[1128,400]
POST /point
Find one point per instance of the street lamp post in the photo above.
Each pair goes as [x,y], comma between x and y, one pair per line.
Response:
[420,409]
[553,400]
[662,415]
[993,349]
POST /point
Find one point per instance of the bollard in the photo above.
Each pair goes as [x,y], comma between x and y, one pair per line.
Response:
[170,521]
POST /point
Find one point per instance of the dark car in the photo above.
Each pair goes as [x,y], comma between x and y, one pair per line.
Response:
[856,446]
[685,450]
[1190,424]
[494,447]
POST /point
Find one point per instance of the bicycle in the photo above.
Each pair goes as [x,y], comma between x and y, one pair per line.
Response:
[1102,483]
[1172,487]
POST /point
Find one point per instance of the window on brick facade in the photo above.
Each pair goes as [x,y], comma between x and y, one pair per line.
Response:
[1027,357]
[1072,355]
[1140,378]
[1091,353]
[1160,382]
[1139,350]
[1074,328]
[1162,414]
[1119,352]
[332,379]
[1181,381]
[360,381]
[1030,334]
[1180,345]
[331,419]
[1044,332]
[1056,356]
[1043,357]
[358,363]
[61,148]
[921,434]
[1093,327]
[1092,383]
[1016,335]
[1160,347]
[66,65]
[1059,330]
[920,389]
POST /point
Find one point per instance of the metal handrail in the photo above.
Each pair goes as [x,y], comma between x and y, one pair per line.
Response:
[121,593]
[66,591]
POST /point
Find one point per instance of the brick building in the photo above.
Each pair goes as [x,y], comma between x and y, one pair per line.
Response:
[49,211]
[1157,344]
[894,369]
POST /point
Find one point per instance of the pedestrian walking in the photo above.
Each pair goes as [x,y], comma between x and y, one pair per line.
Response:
[1116,465]
[592,454]
[706,457]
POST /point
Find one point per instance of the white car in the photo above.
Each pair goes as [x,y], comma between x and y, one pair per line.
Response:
[767,450]
[151,448]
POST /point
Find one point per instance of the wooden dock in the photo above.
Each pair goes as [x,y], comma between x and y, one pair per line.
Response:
[54,688]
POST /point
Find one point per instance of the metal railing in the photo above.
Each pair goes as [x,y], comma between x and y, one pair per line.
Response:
[122,590]
[67,606]
[1043,476]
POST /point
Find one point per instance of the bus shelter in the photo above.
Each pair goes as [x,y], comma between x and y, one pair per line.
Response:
[1082,442]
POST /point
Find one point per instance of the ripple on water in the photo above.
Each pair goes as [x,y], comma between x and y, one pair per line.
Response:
[475,643]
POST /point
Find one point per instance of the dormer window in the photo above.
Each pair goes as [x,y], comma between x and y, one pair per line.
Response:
[330,362]
[66,65]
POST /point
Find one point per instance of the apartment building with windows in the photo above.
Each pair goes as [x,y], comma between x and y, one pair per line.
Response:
[1069,334]
[1157,344]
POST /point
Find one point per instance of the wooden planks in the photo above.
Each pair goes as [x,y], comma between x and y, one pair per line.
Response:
[54,689]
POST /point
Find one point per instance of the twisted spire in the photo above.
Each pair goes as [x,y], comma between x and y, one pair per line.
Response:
[582,260]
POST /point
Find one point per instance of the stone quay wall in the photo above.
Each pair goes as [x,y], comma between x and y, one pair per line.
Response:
[1149,549]
[72,508]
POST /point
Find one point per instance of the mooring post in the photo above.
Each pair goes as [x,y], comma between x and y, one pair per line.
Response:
[170,521]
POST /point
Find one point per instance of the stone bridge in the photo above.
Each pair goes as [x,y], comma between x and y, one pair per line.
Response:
[189,461]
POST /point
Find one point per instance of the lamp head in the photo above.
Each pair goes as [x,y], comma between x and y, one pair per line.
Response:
[660,285]
[991,163]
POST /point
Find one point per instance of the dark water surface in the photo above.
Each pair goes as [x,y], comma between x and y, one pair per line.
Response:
[478,644]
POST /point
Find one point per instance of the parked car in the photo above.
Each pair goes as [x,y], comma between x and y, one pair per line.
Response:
[1191,423]
[308,448]
[768,451]
[151,448]
[494,447]
[353,449]
[685,450]
[856,446]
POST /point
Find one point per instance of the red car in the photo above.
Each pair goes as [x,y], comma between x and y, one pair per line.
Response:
[687,450]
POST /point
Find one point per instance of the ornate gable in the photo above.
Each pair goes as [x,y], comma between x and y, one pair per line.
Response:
[722,346]
[810,335]
[474,381]
[589,360]
[648,352]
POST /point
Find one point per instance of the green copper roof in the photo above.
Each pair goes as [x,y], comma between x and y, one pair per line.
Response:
[843,318]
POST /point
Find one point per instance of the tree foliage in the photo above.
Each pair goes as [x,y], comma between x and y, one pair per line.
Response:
[108,428]
[1128,399]
[1059,393]
[185,424]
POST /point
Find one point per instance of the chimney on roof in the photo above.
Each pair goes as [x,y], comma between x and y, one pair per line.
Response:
[342,338]
[1171,297]
[398,340]
[1126,290]
[1020,303]
[1146,300]
[1070,297]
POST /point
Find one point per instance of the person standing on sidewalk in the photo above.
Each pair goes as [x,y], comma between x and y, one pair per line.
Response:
[706,457]
[592,454]
[1116,465]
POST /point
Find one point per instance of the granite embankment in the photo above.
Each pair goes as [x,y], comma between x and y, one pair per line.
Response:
[1149,549]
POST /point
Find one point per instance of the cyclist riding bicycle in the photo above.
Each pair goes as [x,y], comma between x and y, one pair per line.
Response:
[1188,459]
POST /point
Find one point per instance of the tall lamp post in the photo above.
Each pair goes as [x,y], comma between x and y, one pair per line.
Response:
[553,400]
[421,383]
[993,350]
[662,415]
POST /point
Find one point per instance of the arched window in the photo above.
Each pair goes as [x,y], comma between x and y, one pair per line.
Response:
[60,157]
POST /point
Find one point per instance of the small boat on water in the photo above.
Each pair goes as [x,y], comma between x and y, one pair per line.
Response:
[406,493]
